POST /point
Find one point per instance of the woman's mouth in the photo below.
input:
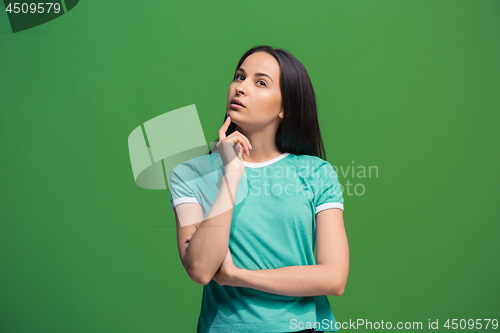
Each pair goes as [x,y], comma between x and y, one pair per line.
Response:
[236,104]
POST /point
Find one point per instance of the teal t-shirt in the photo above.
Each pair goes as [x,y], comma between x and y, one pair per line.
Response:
[273,226]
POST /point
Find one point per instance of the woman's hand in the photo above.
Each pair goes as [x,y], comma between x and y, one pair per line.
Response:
[230,153]
[224,276]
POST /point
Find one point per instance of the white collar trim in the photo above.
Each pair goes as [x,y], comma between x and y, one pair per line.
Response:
[262,164]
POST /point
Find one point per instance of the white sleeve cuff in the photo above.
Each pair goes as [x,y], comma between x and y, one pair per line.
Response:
[179,201]
[330,205]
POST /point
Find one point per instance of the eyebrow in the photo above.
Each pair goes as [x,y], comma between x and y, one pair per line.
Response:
[256,74]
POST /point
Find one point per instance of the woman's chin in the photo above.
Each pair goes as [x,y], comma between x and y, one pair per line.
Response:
[233,113]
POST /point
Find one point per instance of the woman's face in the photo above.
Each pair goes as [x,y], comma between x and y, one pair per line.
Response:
[257,86]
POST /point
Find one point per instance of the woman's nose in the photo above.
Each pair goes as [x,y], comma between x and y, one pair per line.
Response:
[240,89]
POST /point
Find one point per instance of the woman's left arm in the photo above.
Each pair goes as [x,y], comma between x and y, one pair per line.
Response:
[327,277]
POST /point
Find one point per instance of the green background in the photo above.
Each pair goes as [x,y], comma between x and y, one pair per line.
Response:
[411,87]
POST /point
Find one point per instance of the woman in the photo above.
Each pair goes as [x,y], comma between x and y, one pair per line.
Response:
[248,216]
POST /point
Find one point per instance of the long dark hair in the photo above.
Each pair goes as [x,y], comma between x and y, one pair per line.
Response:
[298,132]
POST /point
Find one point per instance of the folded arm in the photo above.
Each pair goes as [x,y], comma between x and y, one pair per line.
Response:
[208,245]
[327,277]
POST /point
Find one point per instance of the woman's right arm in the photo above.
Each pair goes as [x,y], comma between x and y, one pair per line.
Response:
[208,245]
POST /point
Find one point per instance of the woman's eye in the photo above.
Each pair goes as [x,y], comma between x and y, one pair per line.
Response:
[237,76]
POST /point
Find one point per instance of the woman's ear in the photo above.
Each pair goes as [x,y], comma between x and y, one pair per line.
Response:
[281,114]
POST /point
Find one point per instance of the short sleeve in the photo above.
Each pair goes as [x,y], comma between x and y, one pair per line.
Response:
[181,185]
[328,191]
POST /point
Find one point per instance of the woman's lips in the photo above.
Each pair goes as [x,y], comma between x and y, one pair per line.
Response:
[236,106]
[237,102]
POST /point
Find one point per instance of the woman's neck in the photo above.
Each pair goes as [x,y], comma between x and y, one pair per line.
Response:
[263,146]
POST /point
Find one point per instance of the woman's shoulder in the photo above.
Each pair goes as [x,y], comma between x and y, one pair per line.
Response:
[198,165]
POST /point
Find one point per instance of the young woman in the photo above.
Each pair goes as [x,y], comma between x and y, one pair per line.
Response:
[250,214]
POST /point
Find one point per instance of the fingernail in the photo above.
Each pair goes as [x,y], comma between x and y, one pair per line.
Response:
[250,146]
[189,237]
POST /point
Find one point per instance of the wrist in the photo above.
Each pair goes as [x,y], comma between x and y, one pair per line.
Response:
[236,277]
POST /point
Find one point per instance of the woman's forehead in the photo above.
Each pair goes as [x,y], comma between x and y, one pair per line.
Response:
[261,62]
